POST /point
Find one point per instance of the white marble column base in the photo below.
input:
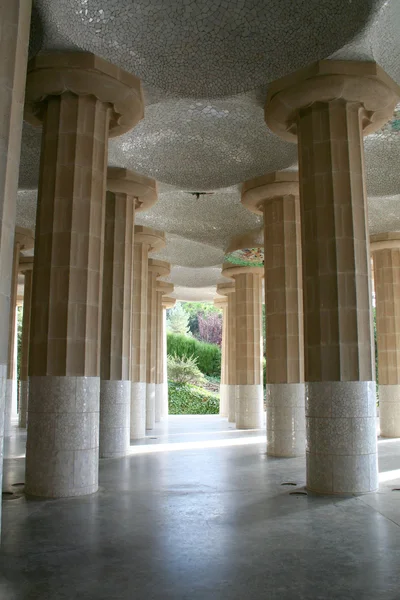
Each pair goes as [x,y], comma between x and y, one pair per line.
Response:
[115,407]
[223,400]
[389,410]
[286,419]
[62,449]
[150,405]
[159,391]
[8,407]
[231,402]
[23,403]
[138,410]
[249,406]
[341,437]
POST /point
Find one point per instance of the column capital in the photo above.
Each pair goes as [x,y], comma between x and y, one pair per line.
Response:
[220,301]
[363,83]
[164,287]
[25,238]
[223,289]
[25,264]
[159,267]
[83,74]
[124,181]
[255,192]
[168,302]
[153,238]
[385,241]
[232,271]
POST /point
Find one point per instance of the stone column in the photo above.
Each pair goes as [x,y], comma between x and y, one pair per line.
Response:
[163,288]
[146,240]
[222,303]
[81,99]
[385,250]
[167,302]
[25,266]
[228,290]
[14,28]
[128,192]
[11,383]
[23,240]
[276,196]
[249,376]
[328,107]
[157,268]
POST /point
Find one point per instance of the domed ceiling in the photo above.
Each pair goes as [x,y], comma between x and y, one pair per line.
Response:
[205,67]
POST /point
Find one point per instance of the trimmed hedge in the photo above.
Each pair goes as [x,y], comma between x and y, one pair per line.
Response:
[187,399]
[208,355]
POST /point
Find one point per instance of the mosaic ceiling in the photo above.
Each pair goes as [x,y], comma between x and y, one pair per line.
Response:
[205,67]
[206,48]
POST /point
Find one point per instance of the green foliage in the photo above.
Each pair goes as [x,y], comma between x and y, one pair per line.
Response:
[183,369]
[208,355]
[188,399]
[178,320]
[193,309]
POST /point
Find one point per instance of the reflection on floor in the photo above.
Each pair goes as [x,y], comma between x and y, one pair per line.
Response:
[197,511]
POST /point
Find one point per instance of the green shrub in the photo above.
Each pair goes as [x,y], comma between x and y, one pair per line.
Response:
[186,399]
[183,369]
[208,355]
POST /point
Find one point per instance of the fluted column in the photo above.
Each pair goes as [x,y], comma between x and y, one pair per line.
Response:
[328,107]
[167,302]
[249,379]
[228,290]
[385,250]
[14,29]
[26,266]
[128,193]
[157,268]
[80,99]
[146,240]
[222,303]
[163,288]
[276,197]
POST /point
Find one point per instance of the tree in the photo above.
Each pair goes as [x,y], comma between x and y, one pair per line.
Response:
[178,320]
[193,309]
[210,328]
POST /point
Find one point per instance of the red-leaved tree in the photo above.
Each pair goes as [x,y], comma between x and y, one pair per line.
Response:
[210,328]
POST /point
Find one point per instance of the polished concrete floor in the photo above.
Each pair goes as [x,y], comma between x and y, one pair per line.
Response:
[200,513]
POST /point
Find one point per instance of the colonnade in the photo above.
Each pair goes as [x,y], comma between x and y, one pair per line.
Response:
[93,342]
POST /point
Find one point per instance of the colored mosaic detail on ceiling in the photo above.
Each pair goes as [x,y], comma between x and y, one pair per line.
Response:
[393,126]
[246,257]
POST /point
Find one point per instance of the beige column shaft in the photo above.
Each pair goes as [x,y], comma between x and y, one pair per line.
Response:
[26,324]
[64,366]
[228,290]
[329,105]
[159,359]
[386,258]
[115,386]
[139,340]
[151,356]
[276,196]
[146,240]
[11,384]
[163,288]
[167,302]
[222,303]
[248,324]
[157,269]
